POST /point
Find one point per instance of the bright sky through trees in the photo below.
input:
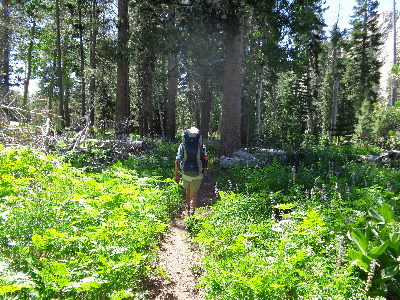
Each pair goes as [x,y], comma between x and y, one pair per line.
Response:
[345,9]
[342,9]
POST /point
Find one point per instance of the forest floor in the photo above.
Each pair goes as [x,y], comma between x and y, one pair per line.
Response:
[179,258]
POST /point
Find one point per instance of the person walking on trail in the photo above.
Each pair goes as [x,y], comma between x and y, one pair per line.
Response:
[192,161]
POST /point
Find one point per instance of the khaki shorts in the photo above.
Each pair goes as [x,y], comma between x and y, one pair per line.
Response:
[192,185]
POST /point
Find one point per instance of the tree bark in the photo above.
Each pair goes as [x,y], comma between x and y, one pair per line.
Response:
[206,103]
[146,95]
[82,57]
[160,114]
[334,109]
[93,63]
[172,94]
[66,107]
[122,100]
[51,84]
[394,82]
[335,90]
[29,67]
[5,52]
[260,77]
[232,90]
[172,82]
[146,71]
[59,68]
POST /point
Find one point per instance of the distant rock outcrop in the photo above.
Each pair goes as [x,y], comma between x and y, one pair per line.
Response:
[385,55]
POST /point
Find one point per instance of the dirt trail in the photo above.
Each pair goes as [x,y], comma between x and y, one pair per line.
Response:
[179,259]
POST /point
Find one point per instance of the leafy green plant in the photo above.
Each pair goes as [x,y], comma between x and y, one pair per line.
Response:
[378,251]
[69,234]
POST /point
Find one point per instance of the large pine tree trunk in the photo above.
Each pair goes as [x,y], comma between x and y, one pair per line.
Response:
[232,92]
[59,68]
[335,93]
[93,62]
[145,71]
[260,77]
[82,57]
[5,52]
[172,82]
[334,109]
[122,100]
[206,103]
[51,84]
[394,81]
[146,83]
[172,94]
[66,107]
[29,69]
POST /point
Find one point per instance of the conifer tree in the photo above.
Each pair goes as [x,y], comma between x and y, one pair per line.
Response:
[362,75]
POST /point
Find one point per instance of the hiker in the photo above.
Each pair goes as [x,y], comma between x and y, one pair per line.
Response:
[192,160]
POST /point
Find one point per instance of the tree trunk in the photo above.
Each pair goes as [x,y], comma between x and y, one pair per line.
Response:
[172,81]
[66,85]
[29,67]
[172,94]
[160,114]
[309,105]
[206,103]
[93,62]
[51,84]
[394,82]
[334,109]
[122,100]
[260,78]
[59,68]
[66,107]
[145,91]
[82,56]
[5,52]
[232,91]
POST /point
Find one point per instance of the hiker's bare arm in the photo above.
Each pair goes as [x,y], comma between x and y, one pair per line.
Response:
[176,171]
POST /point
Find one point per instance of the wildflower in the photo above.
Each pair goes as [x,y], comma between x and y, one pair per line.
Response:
[370,276]
[324,195]
[341,249]
[230,185]
[336,187]
[216,190]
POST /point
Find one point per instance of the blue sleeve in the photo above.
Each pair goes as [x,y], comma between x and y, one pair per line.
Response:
[179,154]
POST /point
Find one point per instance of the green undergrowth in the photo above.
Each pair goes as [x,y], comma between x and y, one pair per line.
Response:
[298,229]
[69,234]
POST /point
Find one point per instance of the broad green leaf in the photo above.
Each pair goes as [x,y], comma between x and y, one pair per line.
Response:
[394,241]
[390,272]
[360,259]
[359,239]
[387,213]
[376,216]
[394,237]
[378,251]
[5,289]
[394,287]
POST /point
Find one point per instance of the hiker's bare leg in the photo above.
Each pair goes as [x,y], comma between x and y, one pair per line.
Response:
[193,199]
[188,198]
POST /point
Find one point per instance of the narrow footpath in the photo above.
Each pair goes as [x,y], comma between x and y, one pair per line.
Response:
[179,259]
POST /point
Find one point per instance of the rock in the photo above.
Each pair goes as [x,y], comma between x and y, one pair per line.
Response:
[242,157]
